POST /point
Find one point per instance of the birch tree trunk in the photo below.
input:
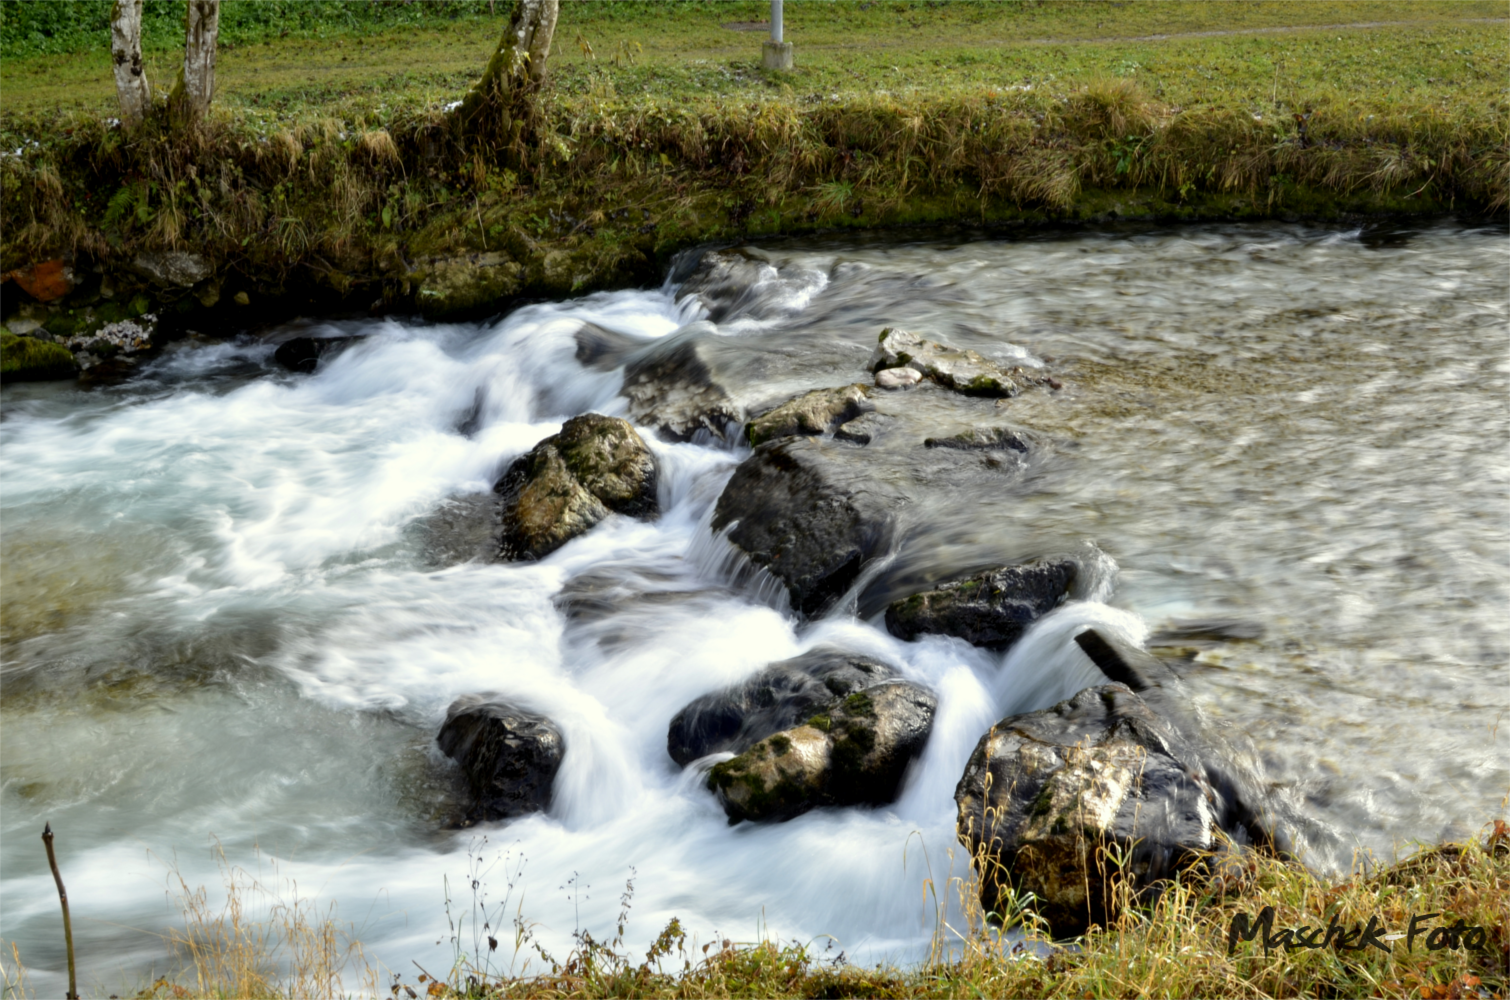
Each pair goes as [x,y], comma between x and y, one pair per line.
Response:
[191,96]
[131,84]
[500,106]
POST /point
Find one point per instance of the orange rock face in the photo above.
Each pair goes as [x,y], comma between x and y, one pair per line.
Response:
[49,280]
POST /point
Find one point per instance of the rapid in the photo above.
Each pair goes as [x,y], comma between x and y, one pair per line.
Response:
[237,601]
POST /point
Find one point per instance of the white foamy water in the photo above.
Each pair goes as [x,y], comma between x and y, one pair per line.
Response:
[223,617]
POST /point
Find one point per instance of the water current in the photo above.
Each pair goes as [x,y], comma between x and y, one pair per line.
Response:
[231,621]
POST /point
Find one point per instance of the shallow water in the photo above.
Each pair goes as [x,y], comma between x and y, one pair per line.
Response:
[228,617]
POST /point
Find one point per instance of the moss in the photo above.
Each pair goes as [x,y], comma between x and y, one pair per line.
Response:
[822,723]
[860,705]
[1043,803]
[27,359]
[838,686]
[780,745]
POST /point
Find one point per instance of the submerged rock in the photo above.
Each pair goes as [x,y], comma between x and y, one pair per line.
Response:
[776,698]
[572,480]
[671,386]
[809,517]
[303,354]
[815,412]
[27,359]
[854,752]
[983,439]
[989,609]
[963,371]
[509,756]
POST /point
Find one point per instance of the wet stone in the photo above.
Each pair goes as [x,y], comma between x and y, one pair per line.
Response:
[776,698]
[509,756]
[989,609]
[854,752]
[964,371]
[571,481]
[817,412]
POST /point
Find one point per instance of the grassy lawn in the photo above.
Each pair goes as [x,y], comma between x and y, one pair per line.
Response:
[1244,54]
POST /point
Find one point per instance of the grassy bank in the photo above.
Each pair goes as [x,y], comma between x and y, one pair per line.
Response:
[331,171]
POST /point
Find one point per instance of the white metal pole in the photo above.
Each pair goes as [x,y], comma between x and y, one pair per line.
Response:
[775,20]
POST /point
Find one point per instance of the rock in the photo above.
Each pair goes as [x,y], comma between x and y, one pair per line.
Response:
[26,359]
[855,752]
[509,756]
[740,284]
[172,268]
[809,519]
[815,412]
[462,286]
[242,299]
[604,349]
[983,439]
[963,371]
[23,326]
[863,429]
[777,698]
[1043,793]
[671,386]
[897,378]
[303,354]
[47,281]
[572,480]
[989,609]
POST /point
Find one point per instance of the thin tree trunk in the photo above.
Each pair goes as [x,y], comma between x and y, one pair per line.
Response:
[131,84]
[499,105]
[190,100]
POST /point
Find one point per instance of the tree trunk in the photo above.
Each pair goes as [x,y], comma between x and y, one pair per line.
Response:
[131,84]
[190,100]
[501,106]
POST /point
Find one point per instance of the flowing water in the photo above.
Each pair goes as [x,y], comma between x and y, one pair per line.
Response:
[230,617]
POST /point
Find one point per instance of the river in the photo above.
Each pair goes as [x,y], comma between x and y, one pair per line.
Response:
[231,621]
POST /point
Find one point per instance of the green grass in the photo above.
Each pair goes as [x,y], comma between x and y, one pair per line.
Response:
[329,161]
[1427,52]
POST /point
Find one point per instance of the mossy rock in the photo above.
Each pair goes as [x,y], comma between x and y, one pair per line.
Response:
[455,287]
[27,359]
[990,609]
[817,412]
[571,481]
[964,371]
[855,753]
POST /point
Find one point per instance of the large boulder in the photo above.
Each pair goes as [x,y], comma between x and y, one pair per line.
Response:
[509,756]
[1048,798]
[963,371]
[777,698]
[27,359]
[809,516]
[989,609]
[854,752]
[569,482]
[1125,770]
[817,412]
